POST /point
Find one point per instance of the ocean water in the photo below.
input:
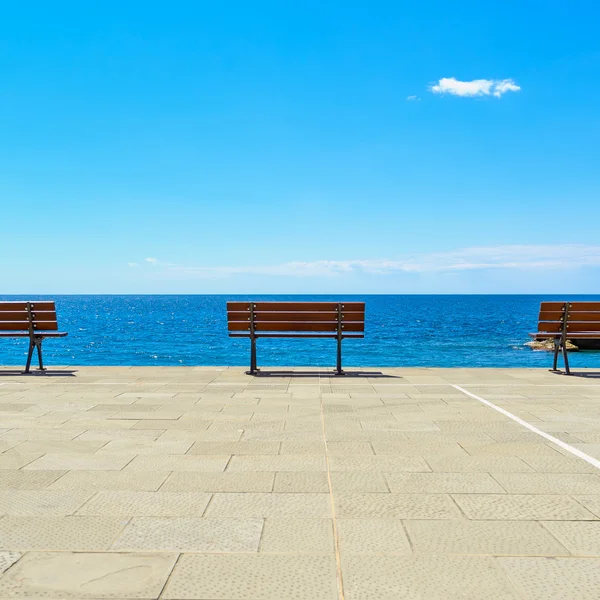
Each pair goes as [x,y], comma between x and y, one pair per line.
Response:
[402,330]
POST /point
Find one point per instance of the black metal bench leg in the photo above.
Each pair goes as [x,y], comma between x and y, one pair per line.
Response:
[556,349]
[39,351]
[253,370]
[566,359]
[29,356]
[339,370]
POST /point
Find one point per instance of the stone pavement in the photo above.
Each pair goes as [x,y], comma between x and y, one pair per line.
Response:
[204,483]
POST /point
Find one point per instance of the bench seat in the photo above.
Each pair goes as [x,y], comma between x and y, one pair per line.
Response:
[35,320]
[316,320]
[562,321]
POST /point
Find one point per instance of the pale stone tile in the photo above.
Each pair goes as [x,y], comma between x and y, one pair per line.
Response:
[558,579]
[248,577]
[559,464]
[384,463]
[591,502]
[219,482]
[297,536]
[175,462]
[358,481]
[345,448]
[57,446]
[505,507]
[40,502]
[442,483]
[80,462]
[234,448]
[581,538]
[252,505]
[479,464]
[303,447]
[190,534]
[7,560]
[129,447]
[482,537]
[109,480]
[395,506]
[15,461]
[445,449]
[150,504]
[372,536]
[28,480]
[288,462]
[424,578]
[300,482]
[87,575]
[549,483]
[162,424]
[60,533]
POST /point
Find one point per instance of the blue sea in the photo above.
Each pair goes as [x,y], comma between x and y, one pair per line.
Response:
[403,330]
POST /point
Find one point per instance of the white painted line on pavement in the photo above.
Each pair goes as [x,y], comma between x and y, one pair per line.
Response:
[589,459]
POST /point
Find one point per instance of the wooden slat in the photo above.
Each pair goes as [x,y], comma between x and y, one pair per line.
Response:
[572,327]
[551,315]
[21,315]
[13,326]
[585,306]
[570,336]
[586,327]
[285,326]
[295,306]
[22,305]
[583,316]
[324,336]
[21,326]
[544,306]
[238,306]
[295,316]
[309,306]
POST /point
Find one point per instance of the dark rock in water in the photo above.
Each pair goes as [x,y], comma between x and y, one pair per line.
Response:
[548,345]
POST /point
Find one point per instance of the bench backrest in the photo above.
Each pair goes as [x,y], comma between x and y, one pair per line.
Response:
[569,317]
[28,316]
[320,317]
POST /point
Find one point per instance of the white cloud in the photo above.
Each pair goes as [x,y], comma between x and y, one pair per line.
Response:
[151,260]
[413,98]
[477,87]
[133,264]
[522,257]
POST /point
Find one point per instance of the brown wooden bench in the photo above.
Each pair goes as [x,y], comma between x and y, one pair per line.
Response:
[562,321]
[337,320]
[35,320]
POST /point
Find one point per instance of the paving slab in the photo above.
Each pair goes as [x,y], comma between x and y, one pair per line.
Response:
[425,578]
[60,533]
[146,504]
[554,579]
[190,534]
[395,506]
[269,505]
[483,537]
[372,536]
[521,507]
[581,538]
[60,575]
[41,502]
[249,577]
[297,536]
[191,481]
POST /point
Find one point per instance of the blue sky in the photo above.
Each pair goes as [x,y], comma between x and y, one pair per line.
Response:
[393,147]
